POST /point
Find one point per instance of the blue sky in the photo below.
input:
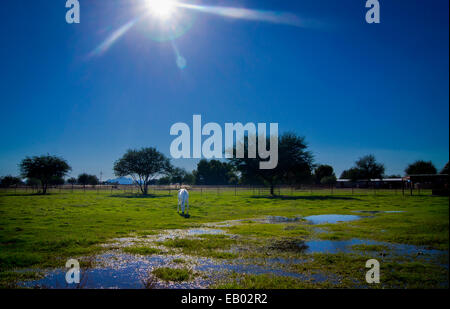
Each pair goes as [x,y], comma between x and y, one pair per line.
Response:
[349,87]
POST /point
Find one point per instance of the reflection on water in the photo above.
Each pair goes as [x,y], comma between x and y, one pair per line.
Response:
[126,271]
[320,219]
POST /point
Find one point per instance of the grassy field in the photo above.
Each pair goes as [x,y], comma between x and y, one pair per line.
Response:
[38,231]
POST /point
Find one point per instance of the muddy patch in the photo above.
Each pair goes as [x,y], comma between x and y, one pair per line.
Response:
[279,219]
[151,240]
[289,245]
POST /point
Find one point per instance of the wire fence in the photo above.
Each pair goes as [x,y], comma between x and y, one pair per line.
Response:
[236,190]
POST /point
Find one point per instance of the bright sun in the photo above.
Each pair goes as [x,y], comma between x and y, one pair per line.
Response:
[161,8]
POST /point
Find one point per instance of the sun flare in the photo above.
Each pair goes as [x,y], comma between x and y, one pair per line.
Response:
[161,8]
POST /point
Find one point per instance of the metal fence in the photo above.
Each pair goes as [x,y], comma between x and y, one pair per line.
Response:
[218,190]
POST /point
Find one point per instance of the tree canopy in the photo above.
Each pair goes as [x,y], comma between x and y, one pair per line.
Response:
[295,163]
[365,168]
[87,179]
[352,174]
[445,169]
[47,169]
[177,175]
[421,167]
[321,171]
[72,180]
[214,172]
[142,165]
[369,168]
[8,181]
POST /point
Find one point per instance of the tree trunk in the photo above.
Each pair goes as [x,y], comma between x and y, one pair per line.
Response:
[271,189]
[145,191]
[44,188]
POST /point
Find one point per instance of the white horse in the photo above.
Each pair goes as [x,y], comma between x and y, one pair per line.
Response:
[183,200]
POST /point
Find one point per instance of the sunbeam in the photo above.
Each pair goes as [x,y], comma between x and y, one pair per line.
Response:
[249,14]
[173,21]
[110,40]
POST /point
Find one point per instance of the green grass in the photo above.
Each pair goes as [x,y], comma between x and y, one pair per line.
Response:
[46,230]
[265,281]
[207,246]
[142,250]
[397,273]
[172,274]
[378,248]
[9,279]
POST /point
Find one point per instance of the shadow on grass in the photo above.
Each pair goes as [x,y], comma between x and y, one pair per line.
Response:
[184,215]
[141,195]
[308,198]
[28,194]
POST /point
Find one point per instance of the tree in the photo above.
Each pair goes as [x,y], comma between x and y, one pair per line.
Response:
[33,182]
[322,171]
[142,165]
[83,179]
[93,180]
[369,168]
[180,176]
[294,163]
[72,181]
[87,179]
[45,168]
[177,175]
[328,180]
[445,169]
[189,179]
[164,180]
[56,181]
[420,167]
[213,172]
[8,181]
[353,174]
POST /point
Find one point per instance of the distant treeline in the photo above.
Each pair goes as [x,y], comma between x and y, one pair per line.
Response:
[148,166]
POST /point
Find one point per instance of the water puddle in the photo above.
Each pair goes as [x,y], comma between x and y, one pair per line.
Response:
[369,247]
[117,269]
[127,271]
[321,219]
